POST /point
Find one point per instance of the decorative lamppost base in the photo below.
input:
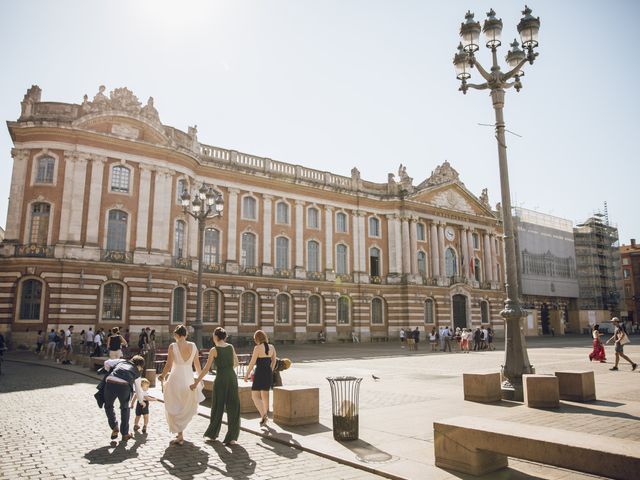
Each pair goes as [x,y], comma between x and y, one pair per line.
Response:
[512,391]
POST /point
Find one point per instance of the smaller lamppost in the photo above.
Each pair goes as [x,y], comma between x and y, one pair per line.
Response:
[206,203]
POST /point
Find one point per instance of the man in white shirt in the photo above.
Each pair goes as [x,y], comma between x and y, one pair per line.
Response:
[89,340]
[97,341]
[485,339]
[68,347]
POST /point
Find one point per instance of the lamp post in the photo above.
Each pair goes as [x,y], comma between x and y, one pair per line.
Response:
[206,203]
[516,359]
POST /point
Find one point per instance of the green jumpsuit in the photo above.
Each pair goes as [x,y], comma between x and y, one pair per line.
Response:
[225,395]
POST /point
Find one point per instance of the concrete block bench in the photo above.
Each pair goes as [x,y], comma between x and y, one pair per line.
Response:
[478,446]
[296,405]
[541,391]
[482,387]
[207,384]
[244,392]
[577,385]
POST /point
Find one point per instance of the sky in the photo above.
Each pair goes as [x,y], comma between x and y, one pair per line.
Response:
[336,84]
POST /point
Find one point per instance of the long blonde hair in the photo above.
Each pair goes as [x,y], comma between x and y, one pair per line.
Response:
[260,337]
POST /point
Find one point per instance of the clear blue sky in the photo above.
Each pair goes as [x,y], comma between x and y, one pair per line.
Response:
[341,83]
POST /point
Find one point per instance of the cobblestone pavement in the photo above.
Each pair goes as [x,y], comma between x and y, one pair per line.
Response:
[52,428]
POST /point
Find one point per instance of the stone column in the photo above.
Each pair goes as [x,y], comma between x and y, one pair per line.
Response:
[392,246]
[443,270]
[192,238]
[95,200]
[355,234]
[16,196]
[300,264]
[77,199]
[266,229]
[144,192]
[232,225]
[397,232]
[67,196]
[406,246]
[487,258]
[494,269]
[472,253]
[328,237]
[466,272]
[434,250]
[362,244]
[413,249]
[162,226]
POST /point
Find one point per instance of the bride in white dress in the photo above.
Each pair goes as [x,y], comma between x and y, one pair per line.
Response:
[180,402]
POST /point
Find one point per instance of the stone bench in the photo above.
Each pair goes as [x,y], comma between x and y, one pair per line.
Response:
[207,384]
[296,405]
[482,387]
[541,391]
[478,446]
[244,392]
[577,385]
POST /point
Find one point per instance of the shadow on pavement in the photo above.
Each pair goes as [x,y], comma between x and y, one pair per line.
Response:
[504,474]
[303,430]
[282,445]
[184,461]
[367,453]
[572,408]
[108,455]
[15,378]
[238,464]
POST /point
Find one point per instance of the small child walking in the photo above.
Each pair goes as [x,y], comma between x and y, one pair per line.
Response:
[140,410]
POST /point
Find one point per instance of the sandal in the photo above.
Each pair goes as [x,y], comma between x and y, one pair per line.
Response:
[144,429]
[231,443]
[175,441]
[136,428]
[114,433]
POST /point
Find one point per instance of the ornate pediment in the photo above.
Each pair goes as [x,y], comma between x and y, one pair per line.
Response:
[444,173]
[453,196]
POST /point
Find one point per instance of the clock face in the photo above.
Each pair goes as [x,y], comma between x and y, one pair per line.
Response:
[450,233]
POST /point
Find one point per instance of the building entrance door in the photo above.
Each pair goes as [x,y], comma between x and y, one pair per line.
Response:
[459,311]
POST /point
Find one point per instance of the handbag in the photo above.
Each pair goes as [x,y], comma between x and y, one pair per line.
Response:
[624,339]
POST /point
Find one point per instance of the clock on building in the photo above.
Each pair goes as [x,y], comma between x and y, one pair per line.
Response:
[450,233]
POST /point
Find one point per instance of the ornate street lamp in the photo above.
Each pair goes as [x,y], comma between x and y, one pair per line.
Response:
[206,203]
[516,359]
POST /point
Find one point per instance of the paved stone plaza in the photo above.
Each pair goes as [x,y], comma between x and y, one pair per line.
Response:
[50,414]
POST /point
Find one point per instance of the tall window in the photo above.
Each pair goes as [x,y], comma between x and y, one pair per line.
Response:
[477,270]
[39,231]
[341,259]
[484,311]
[374,262]
[313,218]
[178,241]
[476,241]
[314,310]
[112,301]
[282,213]
[428,311]
[343,310]
[283,314]
[30,300]
[210,306]
[282,253]
[120,179]
[498,272]
[248,305]
[181,188]
[179,297]
[44,173]
[422,263]
[374,227]
[248,253]
[451,268]
[341,222]
[249,208]
[313,256]
[420,232]
[377,316]
[211,246]
[117,231]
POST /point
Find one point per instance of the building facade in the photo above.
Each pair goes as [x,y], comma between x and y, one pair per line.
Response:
[96,235]
[630,259]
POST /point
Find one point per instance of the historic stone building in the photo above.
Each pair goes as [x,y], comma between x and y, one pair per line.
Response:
[96,235]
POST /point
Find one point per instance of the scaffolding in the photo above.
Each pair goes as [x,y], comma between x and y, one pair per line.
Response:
[598,265]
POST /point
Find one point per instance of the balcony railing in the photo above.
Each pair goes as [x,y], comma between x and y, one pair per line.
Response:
[32,250]
[457,279]
[116,256]
[345,278]
[315,276]
[485,285]
[282,273]
[181,262]
[375,279]
[213,267]
[245,270]
[430,281]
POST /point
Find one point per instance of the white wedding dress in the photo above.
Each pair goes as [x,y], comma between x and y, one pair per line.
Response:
[180,402]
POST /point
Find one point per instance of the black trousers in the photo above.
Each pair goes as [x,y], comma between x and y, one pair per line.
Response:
[121,391]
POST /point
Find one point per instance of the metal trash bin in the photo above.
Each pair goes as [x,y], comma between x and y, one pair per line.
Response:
[345,394]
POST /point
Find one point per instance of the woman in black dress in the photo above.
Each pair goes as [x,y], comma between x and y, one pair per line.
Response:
[264,359]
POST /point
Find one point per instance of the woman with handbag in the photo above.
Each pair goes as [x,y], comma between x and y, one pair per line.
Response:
[621,338]
[597,353]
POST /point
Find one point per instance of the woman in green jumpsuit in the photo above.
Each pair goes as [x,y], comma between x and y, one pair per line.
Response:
[225,388]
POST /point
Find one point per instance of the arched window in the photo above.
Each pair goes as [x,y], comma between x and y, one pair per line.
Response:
[117,231]
[120,179]
[248,253]
[377,311]
[374,262]
[451,268]
[341,259]
[211,306]
[282,253]
[420,232]
[282,213]
[428,311]
[179,304]
[484,311]
[343,311]
[112,301]
[30,299]
[477,270]
[313,218]
[374,227]
[248,306]
[249,208]
[211,246]
[178,243]
[283,308]
[422,263]
[315,305]
[44,173]
[39,231]
[341,222]
[181,188]
[313,256]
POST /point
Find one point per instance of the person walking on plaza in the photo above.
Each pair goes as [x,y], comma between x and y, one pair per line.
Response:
[123,377]
[264,359]
[620,338]
[115,343]
[432,339]
[402,337]
[354,337]
[225,388]
[39,342]
[67,346]
[142,410]
[416,338]
[51,345]
[97,344]
[598,353]
[180,401]
[60,353]
[446,333]
[477,339]
[89,341]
